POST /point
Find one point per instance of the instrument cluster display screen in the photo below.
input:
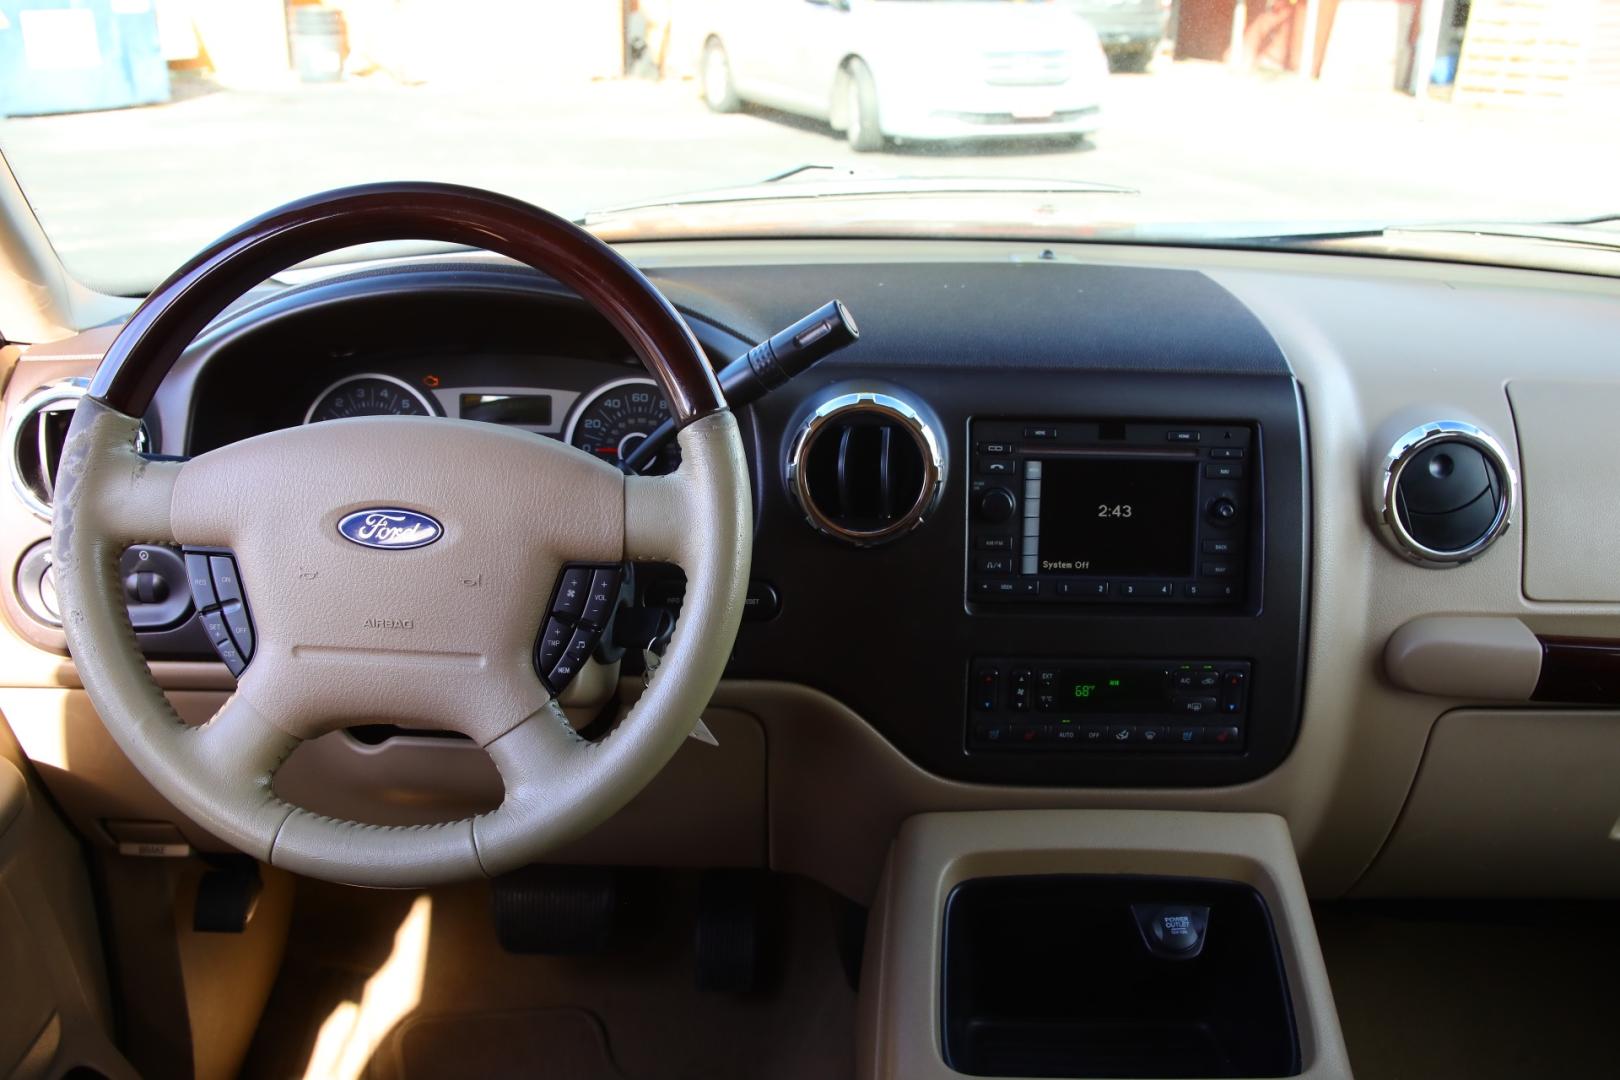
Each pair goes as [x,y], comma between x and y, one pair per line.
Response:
[1121,517]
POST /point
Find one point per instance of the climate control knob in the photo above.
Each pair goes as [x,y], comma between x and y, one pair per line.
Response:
[997,505]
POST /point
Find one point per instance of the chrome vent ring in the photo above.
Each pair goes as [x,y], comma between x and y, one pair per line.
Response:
[865,468]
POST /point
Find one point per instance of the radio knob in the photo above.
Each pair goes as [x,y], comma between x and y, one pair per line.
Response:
[997,505]
[1223,511]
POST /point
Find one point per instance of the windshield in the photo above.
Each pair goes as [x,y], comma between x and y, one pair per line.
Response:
[141,129]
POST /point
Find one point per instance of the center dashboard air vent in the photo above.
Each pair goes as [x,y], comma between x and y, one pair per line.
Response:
[36,434]
[865,468]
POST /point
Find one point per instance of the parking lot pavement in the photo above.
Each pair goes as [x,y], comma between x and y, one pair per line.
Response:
[127,193]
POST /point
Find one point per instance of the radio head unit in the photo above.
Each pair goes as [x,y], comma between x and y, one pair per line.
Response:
[1111,512]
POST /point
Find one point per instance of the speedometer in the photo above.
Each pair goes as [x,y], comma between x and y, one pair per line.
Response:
[368,395]
[613,419]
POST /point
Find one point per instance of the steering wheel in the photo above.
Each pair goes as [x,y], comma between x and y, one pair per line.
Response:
[440,635]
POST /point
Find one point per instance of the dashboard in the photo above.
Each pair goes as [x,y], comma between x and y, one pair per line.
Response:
[1068,526]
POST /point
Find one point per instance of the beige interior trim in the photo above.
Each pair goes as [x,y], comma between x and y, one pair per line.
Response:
[1571,469]
[1515,803]
[1477,657]
[898,1025]
[55,1009]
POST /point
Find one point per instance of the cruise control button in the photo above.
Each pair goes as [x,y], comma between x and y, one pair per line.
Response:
[553,640]
[576,585]
[240,626]
[232,657]
[226,583]
[600,600]
[202,583]
[214,626]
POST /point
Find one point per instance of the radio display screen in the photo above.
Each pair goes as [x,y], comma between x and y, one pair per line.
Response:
[1118,517]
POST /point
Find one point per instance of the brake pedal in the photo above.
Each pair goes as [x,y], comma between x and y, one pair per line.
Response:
[558,910]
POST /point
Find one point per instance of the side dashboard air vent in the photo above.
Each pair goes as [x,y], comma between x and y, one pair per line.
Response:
[36,433]
[865,468]
[1447,491]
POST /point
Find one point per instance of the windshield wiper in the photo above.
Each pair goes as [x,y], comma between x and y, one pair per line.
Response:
[813,181]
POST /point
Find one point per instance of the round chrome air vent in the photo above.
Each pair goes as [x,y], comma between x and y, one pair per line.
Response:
[1446,491]
[36,433]
[865,468]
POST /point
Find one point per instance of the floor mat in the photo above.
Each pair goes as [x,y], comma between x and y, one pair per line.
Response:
[393,985]
[1474,990]
[545,1044]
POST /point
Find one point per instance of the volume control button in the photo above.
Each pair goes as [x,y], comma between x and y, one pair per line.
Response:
[997,505]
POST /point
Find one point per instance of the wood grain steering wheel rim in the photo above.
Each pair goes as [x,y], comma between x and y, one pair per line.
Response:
[515,507]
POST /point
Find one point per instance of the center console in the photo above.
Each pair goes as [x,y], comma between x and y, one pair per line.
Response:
[1095,944]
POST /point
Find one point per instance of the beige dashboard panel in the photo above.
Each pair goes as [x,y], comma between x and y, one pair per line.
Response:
[1569,446]
[898,1025]
[1537,791]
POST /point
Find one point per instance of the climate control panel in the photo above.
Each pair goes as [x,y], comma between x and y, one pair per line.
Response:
[1157,706]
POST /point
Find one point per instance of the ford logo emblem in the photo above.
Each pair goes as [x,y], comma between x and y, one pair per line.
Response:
[390,527]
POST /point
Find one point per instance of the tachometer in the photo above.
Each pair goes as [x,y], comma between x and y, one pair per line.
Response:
[368,395]
[612,419]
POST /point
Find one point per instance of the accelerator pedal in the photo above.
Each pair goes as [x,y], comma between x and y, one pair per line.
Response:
[735,930]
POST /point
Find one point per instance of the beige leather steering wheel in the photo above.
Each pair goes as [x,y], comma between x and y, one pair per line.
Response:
[435,636]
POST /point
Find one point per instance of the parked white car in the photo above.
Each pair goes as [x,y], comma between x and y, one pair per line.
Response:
[908,69]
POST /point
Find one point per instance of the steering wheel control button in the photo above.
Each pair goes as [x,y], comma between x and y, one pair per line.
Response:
[576,584]
[216,587]
[553,641]
[240,626]
[202,583]
[226,584]
[581,609]
[600,600]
